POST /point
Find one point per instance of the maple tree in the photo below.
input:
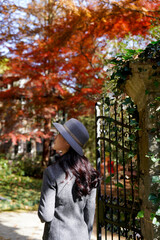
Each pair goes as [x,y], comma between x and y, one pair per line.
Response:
[55,51]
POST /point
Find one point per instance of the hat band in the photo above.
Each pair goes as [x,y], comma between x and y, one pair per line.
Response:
[72,135]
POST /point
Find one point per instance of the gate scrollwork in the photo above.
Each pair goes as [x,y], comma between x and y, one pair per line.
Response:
[118,163]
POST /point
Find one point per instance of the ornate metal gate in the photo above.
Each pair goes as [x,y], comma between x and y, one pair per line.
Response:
[117,161]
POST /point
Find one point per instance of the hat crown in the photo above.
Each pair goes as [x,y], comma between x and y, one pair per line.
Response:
[75,133]
[77,130]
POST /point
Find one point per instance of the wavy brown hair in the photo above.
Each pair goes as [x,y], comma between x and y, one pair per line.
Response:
[86,176]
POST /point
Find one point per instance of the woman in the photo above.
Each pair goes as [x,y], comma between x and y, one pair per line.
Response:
[67,203]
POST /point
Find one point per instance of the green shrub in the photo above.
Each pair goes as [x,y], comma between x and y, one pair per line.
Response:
[5,166]
[17,191]
[25,166]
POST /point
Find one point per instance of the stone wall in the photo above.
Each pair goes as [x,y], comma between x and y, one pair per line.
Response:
[142,86]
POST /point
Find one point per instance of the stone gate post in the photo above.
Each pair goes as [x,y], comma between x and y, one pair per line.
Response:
[143,86]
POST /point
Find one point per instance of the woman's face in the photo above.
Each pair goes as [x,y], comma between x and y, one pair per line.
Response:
[60,145]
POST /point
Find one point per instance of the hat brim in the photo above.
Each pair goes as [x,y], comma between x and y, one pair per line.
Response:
[68,138]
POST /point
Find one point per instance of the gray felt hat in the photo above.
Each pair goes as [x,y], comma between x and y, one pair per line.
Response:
[75,133]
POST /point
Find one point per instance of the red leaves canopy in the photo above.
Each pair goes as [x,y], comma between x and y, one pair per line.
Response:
[61,67]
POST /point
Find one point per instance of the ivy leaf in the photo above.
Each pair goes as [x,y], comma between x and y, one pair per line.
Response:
[107,109]
[119,185]
[153,130]
[156,222]
[133,122]
[131,137]
[154,159]
[108,179]
[153,198]
[109,119]
[157,98]
[154,67]
[131,154]
[127,101]
[107,101]
[131,110]
[152,216]
[156,84]
[140,214]
[156,179]
[158,212]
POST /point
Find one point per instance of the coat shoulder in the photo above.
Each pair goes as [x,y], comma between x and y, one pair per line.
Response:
[56,173]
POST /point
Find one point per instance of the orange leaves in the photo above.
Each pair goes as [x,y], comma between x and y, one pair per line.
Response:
[120,17]
[59,89]
[15,137]
[60,59]
[12,93]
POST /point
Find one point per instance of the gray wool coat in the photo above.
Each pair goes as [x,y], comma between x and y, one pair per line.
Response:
[65,217]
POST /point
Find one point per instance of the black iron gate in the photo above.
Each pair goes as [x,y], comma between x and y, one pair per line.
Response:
[117,161]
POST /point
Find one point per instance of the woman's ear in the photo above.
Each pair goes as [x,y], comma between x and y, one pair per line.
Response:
[67,144]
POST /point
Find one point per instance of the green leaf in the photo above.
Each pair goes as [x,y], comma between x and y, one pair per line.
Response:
[109,119]
[131,137]
[156,83]
[137,128]
[157,98]
[154,159]
[107,101]
[152,43]
[131,154]
[152,105]
[107,109]
[153,198]
[133,122]
[131,110]
[119,185]
[108,179]
[140,214]
[152,116]
[156,179]
[152,216]
[127,101]
[153,130]
[158,212]
[154,67]
[156,222]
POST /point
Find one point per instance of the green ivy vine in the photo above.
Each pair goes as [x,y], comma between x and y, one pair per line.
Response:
[121,69]
[154,198]
[120,73]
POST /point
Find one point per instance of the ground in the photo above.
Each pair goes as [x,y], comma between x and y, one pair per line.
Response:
[22,226]
[27,226]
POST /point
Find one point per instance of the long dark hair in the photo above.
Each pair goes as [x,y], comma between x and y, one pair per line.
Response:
[87,177]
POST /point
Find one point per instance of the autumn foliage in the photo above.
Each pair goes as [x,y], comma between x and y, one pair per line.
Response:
[55,51]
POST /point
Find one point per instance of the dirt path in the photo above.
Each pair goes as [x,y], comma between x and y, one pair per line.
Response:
[27,226]
[21,226]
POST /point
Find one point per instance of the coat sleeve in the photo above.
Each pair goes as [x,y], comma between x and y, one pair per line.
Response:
[89,211]
[47,199]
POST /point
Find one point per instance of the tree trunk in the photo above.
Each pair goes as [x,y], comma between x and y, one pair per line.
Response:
[46,143]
